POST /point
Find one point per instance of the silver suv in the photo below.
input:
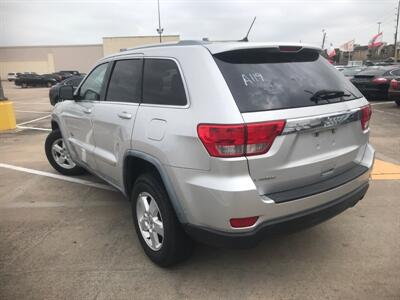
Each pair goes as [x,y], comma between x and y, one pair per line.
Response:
[222,143]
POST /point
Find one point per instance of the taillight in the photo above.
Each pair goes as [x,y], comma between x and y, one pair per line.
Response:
[239,140]
[223,140]
[260,136]
[394,84]
[365,116]
[379,80]
[243,222]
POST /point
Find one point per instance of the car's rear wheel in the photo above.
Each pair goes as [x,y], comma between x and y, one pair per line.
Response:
[58,156]
[156,224]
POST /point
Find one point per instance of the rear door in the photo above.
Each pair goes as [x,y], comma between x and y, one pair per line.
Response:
[114,118]
[322,137]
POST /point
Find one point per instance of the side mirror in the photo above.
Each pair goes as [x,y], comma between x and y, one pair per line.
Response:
[66,92]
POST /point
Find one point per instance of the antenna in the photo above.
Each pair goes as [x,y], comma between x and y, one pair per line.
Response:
[159,29]
[245,39]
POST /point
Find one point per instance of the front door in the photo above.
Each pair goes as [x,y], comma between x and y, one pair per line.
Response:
[77,117]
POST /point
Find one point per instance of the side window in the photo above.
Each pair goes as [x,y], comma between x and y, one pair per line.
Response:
[91,88]
[125,83]
[162,83]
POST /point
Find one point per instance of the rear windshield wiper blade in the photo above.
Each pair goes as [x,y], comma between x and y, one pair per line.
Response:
[326,95]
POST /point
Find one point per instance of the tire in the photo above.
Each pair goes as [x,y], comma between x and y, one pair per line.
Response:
[175,246]
[55,155]
[397,102]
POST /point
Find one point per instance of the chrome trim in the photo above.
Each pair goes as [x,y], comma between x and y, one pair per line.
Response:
[322,122]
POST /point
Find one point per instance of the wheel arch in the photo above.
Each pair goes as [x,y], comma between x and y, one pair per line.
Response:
[137,163]
[54,125]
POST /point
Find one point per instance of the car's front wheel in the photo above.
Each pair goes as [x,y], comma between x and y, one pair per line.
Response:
[156,224]
[58,156]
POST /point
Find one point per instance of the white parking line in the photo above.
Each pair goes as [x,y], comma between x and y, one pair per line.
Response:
[33,128]
[32,103]
[32,111]
[60,177]
[380,103]
[34,120]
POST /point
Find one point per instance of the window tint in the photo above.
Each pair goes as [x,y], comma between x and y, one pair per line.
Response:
[91,88]
[163,83]
[265,79]
[125,83]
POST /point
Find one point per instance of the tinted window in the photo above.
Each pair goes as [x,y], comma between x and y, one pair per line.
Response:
[91,88]
[163,83]
[395,72]
[265,79]
[125,83]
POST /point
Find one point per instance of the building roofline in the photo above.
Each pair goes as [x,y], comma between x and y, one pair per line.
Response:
[139,36]
[52,46]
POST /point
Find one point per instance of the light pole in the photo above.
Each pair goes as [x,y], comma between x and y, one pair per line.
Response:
[395,34]
[379,27]
[159,29]
[323,38]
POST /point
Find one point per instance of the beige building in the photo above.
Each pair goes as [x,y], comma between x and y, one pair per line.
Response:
[49,59]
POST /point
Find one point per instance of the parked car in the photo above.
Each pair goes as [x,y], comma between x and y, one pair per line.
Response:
[12,76]
[57,77]
[373,82]
[67,74]
[26,80]
[54,91]
[394,91]
[222,143]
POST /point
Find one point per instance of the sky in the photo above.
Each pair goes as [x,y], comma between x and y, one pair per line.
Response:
[59,22]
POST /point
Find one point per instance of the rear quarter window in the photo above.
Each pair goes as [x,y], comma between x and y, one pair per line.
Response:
[162,83]
[267,79]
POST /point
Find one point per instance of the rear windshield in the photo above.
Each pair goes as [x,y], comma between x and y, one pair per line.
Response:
[372,72]
[267,79]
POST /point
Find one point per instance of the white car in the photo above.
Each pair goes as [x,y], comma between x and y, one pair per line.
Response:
[12,76]
[222,143]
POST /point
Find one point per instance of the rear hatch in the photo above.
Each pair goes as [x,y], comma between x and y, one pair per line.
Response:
[322,140]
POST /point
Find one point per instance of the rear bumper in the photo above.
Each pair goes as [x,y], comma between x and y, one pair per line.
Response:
[289,223]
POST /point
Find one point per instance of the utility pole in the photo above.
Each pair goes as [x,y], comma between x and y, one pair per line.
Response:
[379,26]
[395,34]
[323,38]
[159,29]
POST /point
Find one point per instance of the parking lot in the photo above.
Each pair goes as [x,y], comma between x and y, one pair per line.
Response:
[73,238]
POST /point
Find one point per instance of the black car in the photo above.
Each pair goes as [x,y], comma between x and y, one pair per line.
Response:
[25,80]
[67,74]
[374,82]
[54,91]
[54,76]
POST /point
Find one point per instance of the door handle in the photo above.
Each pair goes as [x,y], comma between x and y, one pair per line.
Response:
[87,110]
[125,115]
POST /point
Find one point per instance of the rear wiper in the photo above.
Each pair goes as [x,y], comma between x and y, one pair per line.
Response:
[326,95]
